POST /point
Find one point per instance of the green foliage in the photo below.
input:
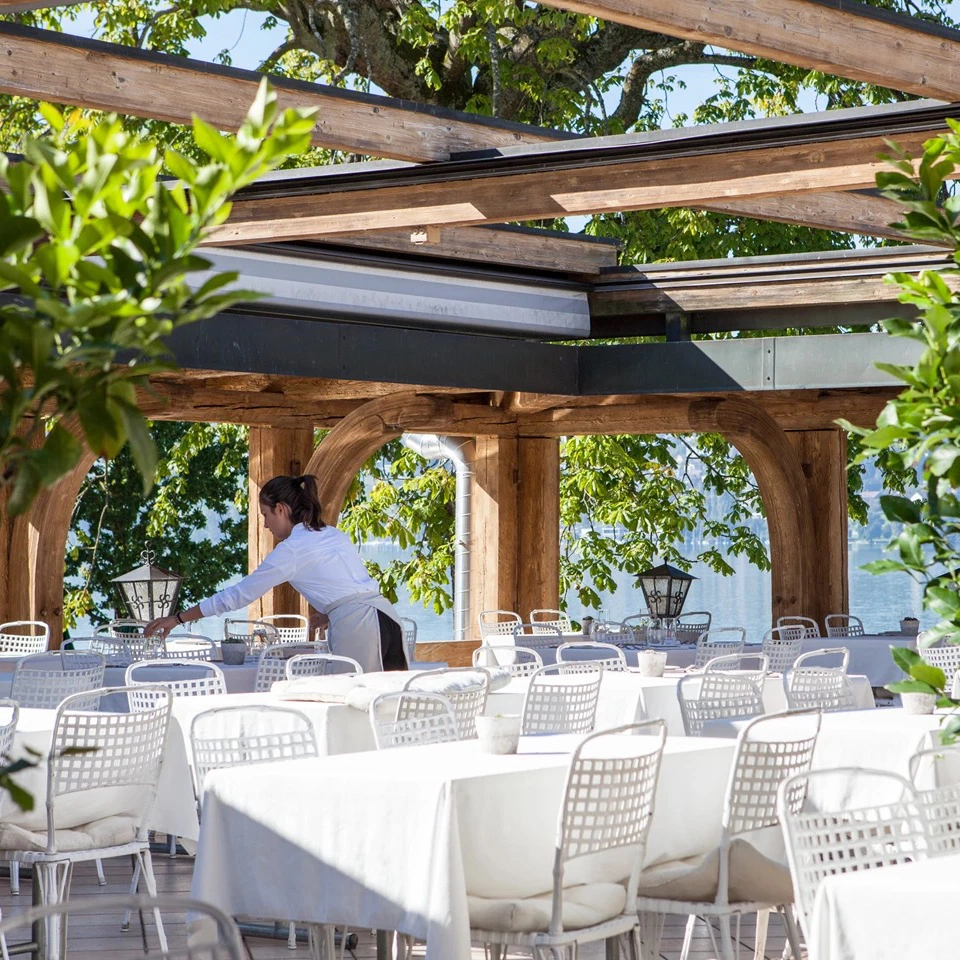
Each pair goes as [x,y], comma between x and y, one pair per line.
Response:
[97,266]
[201,473]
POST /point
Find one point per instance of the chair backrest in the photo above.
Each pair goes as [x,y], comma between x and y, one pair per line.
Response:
[689,626]
[91,750]
[8,727]
[408,718]
[722,641]
[717,696]
[290,627]
[190,646]
[819,687]
[535,635]
[809,626]
[611,631]
[605,655]
[822,842]
[608,804]
[272,665]
[24,636]
[318,665]
[465,687]
[232,736]
[497,623]
[256,634]
[520,661]
[43,680]
[634,628]
[409,638]
[754,666]
[555,619]
[203,680]
[214,936]
[946,656]
[123,649]
[941,803]
[843,625]
[782,645]
[124,627]
[560,702]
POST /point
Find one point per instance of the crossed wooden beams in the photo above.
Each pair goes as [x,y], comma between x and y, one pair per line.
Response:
[810,186]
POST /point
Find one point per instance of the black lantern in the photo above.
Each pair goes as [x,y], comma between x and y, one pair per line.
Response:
[665,590]
[148,591]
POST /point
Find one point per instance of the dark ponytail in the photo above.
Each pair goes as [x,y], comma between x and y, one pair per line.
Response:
[299,494]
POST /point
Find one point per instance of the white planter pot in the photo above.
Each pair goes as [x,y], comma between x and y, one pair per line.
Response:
[499,734]
[651,663]
[233,653]
[910,628]
[918,703]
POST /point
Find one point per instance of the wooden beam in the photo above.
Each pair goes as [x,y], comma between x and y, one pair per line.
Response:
[852,212]
[838,37]
[635,184]
[44,65]
[544,250]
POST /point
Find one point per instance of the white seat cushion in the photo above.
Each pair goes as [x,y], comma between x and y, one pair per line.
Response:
[754,878]
[108,832]
[583,906]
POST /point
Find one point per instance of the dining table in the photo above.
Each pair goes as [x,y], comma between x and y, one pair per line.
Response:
[399,839]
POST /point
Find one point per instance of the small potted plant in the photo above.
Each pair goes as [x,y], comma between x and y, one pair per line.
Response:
[499,734]
[909,626]
[924,689]
[233,650]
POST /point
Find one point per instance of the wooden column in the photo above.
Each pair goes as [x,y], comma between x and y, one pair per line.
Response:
[538,525]
[823,460]
[274,451]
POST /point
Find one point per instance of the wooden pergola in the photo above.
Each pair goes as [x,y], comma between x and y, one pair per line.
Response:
[398,299]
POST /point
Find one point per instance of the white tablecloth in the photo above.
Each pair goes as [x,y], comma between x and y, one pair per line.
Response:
[869,655]
[397,839]
[904,912]
[630,697]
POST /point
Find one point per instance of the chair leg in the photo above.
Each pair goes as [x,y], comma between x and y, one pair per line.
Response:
[688,936]
[146,863]
[173,846]
[101,879]
[14,878]
[292,936]
[53,886]
[793,934]
[726,938]
[760,941]
[134,883]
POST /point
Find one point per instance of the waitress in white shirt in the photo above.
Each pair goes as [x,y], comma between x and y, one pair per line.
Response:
[323,565]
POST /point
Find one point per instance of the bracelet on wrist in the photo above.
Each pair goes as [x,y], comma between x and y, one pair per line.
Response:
[179,617]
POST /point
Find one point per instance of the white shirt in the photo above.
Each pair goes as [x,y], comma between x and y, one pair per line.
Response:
[322,565]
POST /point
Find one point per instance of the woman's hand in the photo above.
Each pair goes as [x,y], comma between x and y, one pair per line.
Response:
[160,627]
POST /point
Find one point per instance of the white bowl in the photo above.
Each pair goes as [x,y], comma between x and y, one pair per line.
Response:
[499,734]
[651,663]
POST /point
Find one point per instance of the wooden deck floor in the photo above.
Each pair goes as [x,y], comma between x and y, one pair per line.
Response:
[98,936]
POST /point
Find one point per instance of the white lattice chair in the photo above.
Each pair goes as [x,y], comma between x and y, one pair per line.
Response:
[560,702]
[465,687]
[844,625]
[717,696]
[212,934]
[605,816]
[520,661]
[34,638]
[290,627]
[554,619]
[497,623]
[634,628]
[753,666]
[945,655]
[689,626]
[941,803]
[203,680]
[409,718]
[123,649]
[782,646]
[272,665]
[238,736]
[191,646]
[606,655]
[534,635]
[319,664]
[409,638]
[743,874]
[821,842]
[92,751]
[721,642]
[121,627]
[43,680]
[810,627]
[257,635]
[820,687]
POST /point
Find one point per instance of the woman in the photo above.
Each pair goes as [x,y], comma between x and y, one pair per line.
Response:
[322,564]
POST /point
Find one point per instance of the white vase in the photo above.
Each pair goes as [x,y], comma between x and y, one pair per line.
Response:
[233,653]
[499,734]
[918,703]
[651,663]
